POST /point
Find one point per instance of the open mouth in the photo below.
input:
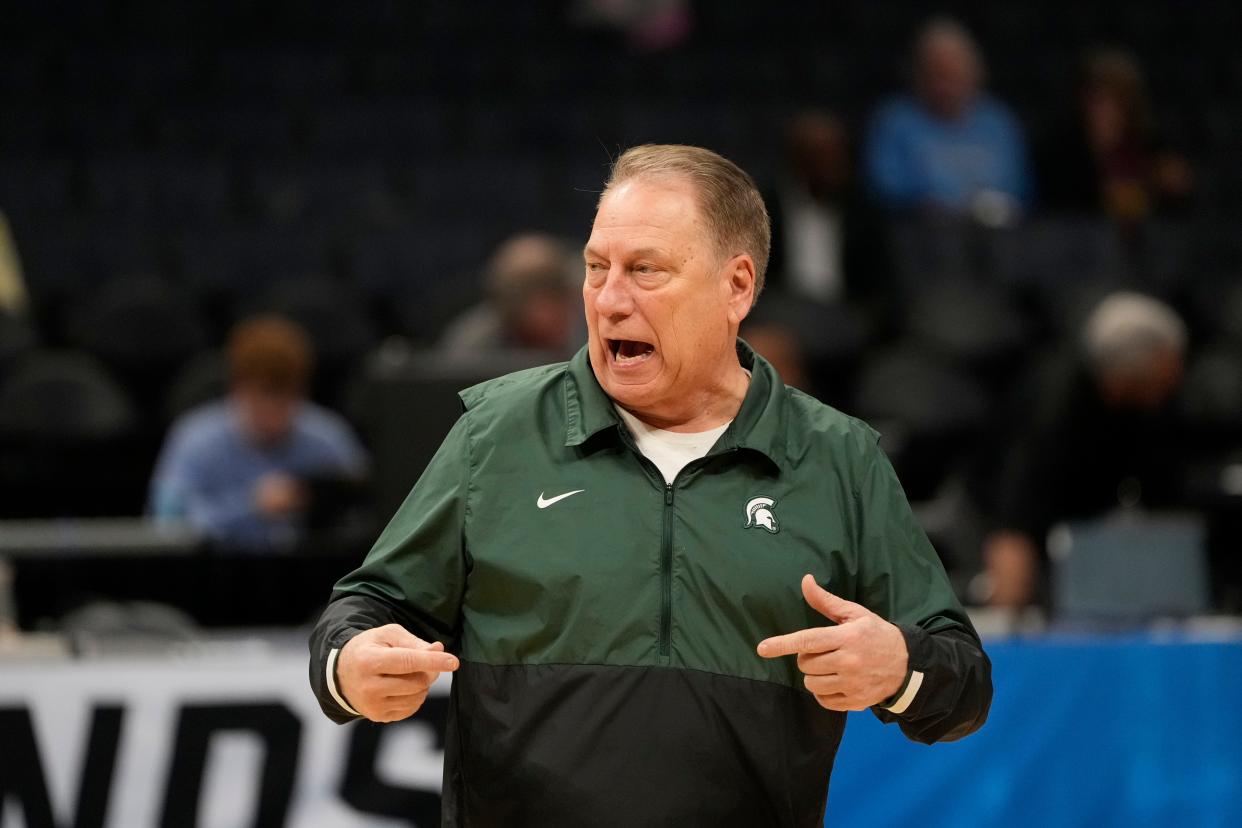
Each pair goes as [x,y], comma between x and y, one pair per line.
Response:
[626,351]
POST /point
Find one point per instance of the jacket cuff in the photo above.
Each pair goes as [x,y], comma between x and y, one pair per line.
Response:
[900,701]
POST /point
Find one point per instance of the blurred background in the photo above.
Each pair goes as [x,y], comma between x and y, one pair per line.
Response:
[250,251]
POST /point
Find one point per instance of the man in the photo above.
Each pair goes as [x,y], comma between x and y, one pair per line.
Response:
[600,547]
[241,469]
[949,147]
[824,235]
[530,304]
[1101,435]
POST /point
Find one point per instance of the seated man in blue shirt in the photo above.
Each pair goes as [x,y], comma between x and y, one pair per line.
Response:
[949,146]
[240,469]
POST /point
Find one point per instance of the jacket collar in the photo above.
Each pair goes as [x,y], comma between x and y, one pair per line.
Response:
[759,425]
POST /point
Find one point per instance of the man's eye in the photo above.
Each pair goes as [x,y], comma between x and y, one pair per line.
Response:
[594,267]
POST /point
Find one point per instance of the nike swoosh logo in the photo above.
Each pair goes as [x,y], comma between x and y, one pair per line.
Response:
[544,503]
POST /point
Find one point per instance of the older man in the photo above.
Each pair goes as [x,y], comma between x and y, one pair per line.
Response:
[600,546]
[949,146]
[1101,433]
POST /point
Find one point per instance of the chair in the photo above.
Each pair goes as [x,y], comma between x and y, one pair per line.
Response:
[142,328]
[971,324]
[163,190]
[928,413]
[1050,254]
[1129,568]
[35,187]
[202,379]
[400,386]
[17,338]
[928,249]
[233,260]
[343,193]
[68,440]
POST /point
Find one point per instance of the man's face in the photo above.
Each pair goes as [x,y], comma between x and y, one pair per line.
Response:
[266,414]
[820,155]
[1148,389]
[948,76]
[543,319]
[662,304]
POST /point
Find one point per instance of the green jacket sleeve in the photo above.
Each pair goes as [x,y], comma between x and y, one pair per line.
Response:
[415,573]
[948,688]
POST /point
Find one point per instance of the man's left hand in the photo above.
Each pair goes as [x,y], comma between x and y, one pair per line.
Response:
[858,663]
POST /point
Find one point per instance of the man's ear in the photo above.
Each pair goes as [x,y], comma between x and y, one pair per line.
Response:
[741,275]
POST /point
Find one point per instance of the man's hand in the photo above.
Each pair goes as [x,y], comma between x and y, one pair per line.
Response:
[384,673]
[860,662]
[277,494]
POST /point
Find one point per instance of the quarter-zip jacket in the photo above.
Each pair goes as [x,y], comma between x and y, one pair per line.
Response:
[607,637]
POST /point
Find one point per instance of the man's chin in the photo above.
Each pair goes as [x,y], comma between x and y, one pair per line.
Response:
[631,391]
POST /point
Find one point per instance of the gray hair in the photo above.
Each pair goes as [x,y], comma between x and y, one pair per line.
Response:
[1127,330]
[728,197]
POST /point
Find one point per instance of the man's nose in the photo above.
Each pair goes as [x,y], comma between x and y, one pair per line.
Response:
[614,299]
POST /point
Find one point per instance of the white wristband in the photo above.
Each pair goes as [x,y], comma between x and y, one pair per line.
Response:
[336,694]
[907,697]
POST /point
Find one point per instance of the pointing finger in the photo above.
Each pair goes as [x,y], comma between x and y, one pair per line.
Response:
[813,640]
[401,660]
[828,605]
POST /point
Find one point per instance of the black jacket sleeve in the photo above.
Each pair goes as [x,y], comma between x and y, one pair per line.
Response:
[414,575]
[901,579]
[955,690]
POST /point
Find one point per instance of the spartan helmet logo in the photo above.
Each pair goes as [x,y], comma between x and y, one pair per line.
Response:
[759,513]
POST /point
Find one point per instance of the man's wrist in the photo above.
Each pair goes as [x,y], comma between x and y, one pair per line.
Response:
[333,680]
[904,696]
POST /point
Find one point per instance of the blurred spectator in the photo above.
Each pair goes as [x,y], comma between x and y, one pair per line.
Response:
[1111,158]
[1101,435]
[949,146]
[824,239]
[532,301]
[13,296]
[779,345]
[243,470]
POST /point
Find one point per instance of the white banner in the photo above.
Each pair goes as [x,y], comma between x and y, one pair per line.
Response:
[218,742]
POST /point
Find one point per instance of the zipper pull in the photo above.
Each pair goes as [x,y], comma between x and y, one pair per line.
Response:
[668,495]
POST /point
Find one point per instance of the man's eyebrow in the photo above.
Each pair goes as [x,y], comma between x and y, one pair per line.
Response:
[638,253]
[649,252]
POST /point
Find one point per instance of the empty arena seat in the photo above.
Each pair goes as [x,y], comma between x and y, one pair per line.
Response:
[67,440]
[160,189]
[35,187]
[930,249]
[388,127]
[341,193]
[927,412]
[1211,396]
[1054,251]
[18,337]
[1129,569]
[144,329]
[235,259]
[202,379]
[967,323]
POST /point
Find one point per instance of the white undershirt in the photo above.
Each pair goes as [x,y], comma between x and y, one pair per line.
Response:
[670,450]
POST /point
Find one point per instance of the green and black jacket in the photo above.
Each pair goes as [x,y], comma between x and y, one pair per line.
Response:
[607,641]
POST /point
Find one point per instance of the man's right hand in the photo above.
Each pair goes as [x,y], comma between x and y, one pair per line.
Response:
[384,673]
